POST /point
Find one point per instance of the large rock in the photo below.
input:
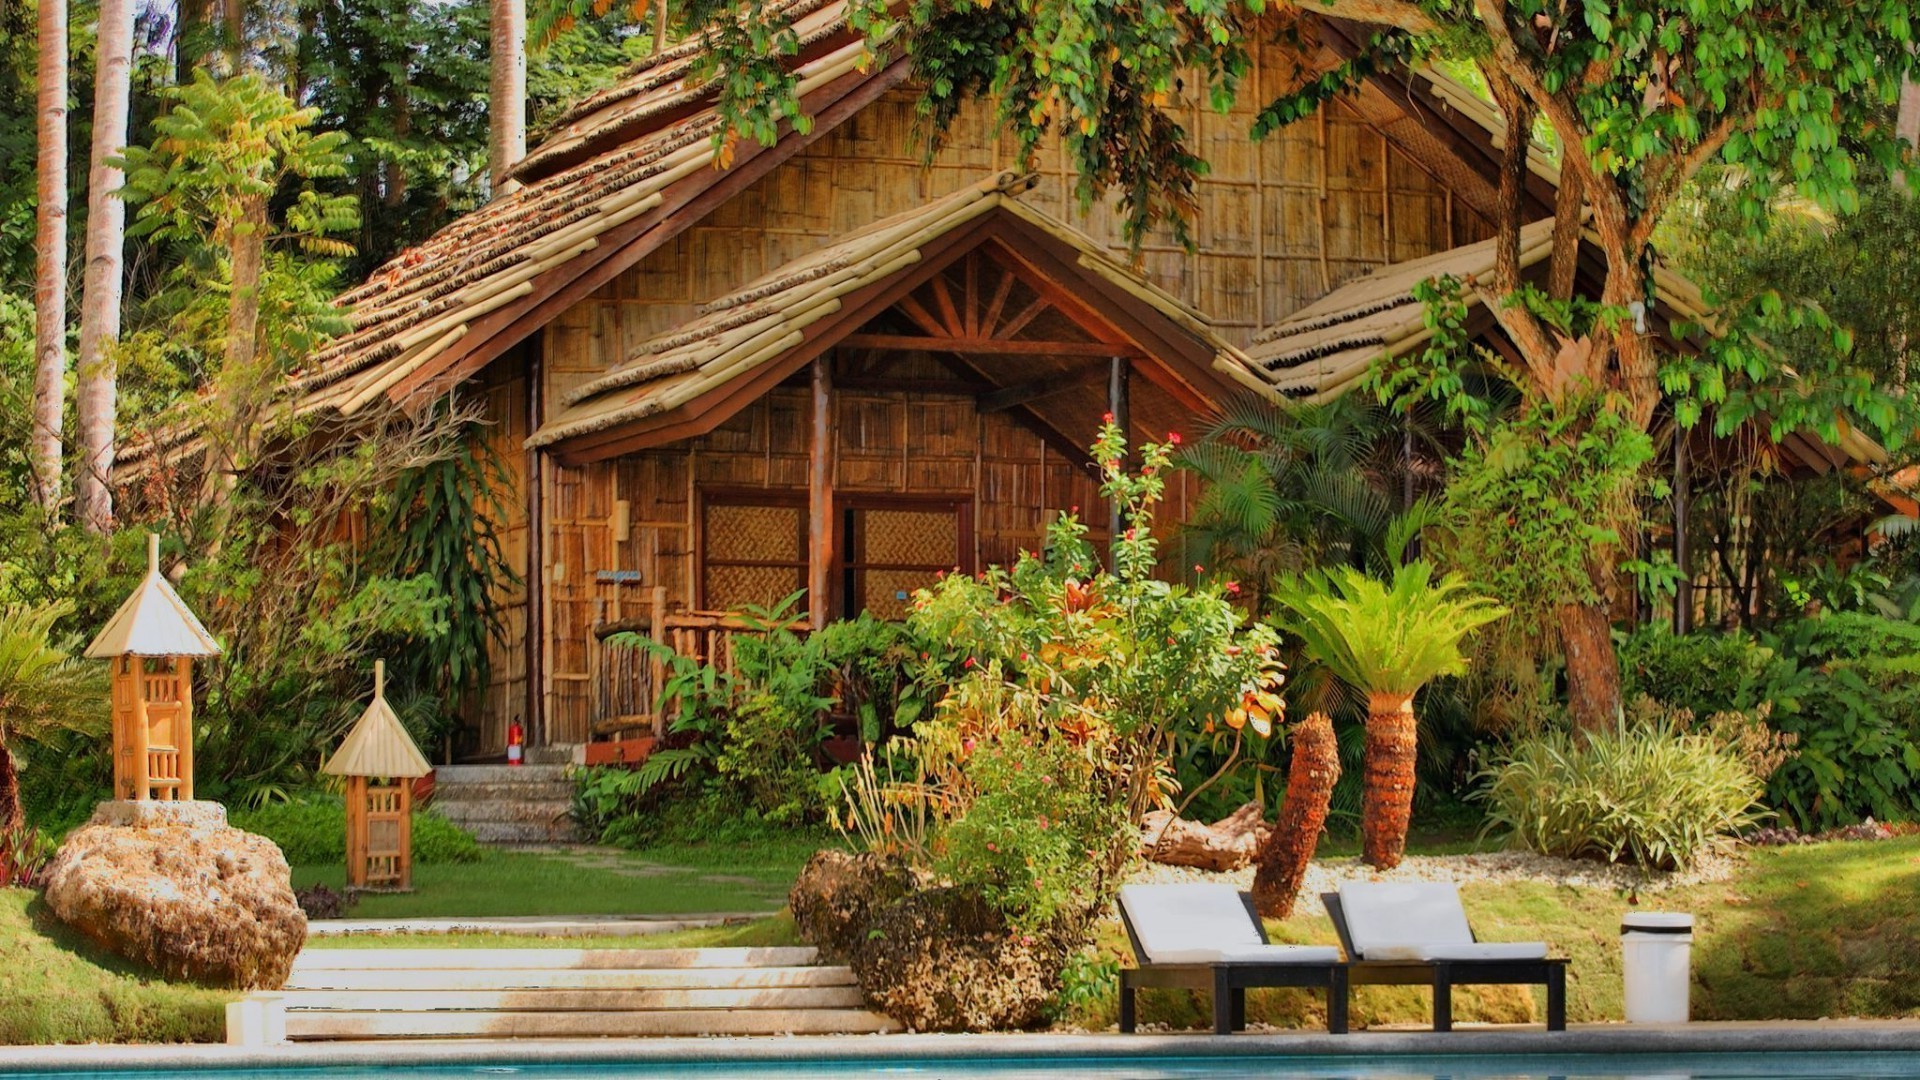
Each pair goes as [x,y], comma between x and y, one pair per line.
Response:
[945,960]
[174,887]
[836,896]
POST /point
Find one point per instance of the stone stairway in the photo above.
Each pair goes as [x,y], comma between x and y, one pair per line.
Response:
[506,804]
[571,993]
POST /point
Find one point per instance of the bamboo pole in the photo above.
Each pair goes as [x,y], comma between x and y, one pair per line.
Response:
[183,724]
[820,494]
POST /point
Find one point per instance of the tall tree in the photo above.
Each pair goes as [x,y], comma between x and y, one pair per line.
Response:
[50,245]
[507,92]
[1639,94]
[100,291]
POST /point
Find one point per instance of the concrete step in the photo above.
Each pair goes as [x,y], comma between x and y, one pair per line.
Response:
[532,812]
[495,774]
[577,1000]
[362,1024]
[749,956]
[572,979]
[512,834]
[509,790]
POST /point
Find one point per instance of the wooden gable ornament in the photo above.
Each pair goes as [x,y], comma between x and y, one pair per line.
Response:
[152,641]
[380,763]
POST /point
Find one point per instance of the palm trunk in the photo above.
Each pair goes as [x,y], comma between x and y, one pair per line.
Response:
[239,383]
[50,247]
[1593,671]
[1386,810]
[106,242]
[1311,774]
[507,93]
[12,817]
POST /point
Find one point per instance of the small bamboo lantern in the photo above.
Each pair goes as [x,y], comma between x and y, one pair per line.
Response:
[152,642]
[380,763]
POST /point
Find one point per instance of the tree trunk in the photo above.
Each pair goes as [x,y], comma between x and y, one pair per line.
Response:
[1227,844]
[1387,808]
[1593,671]
[239,385]
[507,93]
[1311,773]
[192,25]
[106,242]
[50,247]
[12,816]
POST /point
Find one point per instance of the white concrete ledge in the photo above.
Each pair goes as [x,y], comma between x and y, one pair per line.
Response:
[1464,1051]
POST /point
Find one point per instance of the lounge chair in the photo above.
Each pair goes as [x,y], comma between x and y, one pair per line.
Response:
[1207,937]
[1416,933]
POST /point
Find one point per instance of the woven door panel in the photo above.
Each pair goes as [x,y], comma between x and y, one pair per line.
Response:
[753,533]
[730,588]
[911,537]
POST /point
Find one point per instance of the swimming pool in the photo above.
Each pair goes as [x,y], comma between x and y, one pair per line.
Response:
[1685,1066]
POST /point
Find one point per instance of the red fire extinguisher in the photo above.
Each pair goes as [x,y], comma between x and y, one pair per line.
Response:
[516,742]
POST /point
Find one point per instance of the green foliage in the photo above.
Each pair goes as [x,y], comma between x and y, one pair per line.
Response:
[1656,791]
[44,685]
[1705,672]
[1034,840]
[1384,637]
[312,831]
[1542,500]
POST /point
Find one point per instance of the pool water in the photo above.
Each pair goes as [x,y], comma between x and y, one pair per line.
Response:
[1781,1066]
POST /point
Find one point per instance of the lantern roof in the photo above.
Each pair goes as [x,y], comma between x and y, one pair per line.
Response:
[154,621]
[378,745]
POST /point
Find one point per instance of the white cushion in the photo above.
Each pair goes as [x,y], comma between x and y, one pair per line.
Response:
[1252,954]
[1487,950]
[1174,921]
[1397,915]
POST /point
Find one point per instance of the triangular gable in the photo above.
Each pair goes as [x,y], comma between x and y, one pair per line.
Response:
[378,745]
[690,379]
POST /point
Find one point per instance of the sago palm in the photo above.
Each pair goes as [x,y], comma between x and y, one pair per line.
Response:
[1387,639]
[42,687]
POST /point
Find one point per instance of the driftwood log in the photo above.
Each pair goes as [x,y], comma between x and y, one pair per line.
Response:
[1311,774]
[1227,844]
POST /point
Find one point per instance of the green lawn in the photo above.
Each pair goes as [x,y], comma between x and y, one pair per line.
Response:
[770,930]
[678,880]
[55,987]
[1800,933]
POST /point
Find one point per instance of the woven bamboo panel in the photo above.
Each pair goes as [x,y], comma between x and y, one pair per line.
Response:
[730,588]
[741,533]
[910,537]
[888,594]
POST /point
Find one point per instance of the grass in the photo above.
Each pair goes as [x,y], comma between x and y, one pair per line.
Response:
[1824,930]
[57,988]
[678,880]
[772,930]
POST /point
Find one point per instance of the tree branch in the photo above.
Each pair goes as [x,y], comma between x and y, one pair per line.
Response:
[1396,13]
[1569,206]
[1673,176]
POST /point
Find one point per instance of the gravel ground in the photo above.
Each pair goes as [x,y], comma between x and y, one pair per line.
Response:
[1327,875]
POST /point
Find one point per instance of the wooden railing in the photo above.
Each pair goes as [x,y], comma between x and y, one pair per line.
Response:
[626,680]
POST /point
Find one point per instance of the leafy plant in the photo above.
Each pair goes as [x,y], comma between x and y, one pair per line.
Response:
[1387,639]
[43,688]
[1656,791]
[311,830]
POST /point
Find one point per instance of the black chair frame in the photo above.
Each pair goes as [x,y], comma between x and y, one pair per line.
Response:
[1230,981]
[1444,975]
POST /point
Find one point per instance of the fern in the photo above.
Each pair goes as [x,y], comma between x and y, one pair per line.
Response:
[1384,637]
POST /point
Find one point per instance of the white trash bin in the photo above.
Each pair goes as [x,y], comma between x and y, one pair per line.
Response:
[1658,949]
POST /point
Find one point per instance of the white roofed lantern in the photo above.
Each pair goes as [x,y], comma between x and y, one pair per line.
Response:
[380,762]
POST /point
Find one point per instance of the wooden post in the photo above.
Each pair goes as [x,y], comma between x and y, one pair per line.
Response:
[406,834]
[183,724]
[142,771]
[657,664]
[1117,393]
[1683,588]
[122,707]
[357,831]
[820,496]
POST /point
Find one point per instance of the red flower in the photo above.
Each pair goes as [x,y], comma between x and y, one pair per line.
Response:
[1173,438]
[1233,588]
[1198,569]
[1106,418]
[969,663]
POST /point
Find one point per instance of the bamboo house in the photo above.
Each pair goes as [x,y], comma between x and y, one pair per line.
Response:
[832,366]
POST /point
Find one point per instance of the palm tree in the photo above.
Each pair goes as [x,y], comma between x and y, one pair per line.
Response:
[50,249]
[42,687]
[106,242]
[1311,775]
[1387,639]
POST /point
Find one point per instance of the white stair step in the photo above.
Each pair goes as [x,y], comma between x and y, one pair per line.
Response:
[424,1025]
[571,979]
[497,774]
[550,959]
[545,791]
[576,1000]
[529,812]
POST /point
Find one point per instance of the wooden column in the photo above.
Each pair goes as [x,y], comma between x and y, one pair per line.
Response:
[357,831]
[183,724]
[820,496]
[142,734]
[1683,589]
[405,884]
[1117,392]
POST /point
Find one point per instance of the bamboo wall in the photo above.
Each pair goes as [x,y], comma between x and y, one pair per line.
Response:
[887,442]
[502,391]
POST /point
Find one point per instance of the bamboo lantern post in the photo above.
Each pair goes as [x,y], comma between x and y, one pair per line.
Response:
[380,763]
[152,641]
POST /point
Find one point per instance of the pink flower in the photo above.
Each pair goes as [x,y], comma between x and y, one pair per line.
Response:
[1198,569]
[1106,418]
[1173,438]
[969,662]
[1233,588]
[991,846]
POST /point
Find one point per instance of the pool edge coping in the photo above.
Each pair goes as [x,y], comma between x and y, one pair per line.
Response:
[1610,1039]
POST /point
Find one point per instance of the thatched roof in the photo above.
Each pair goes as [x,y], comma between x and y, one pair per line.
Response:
[1325,348]
[154,621]
[740,332]
[378,745]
